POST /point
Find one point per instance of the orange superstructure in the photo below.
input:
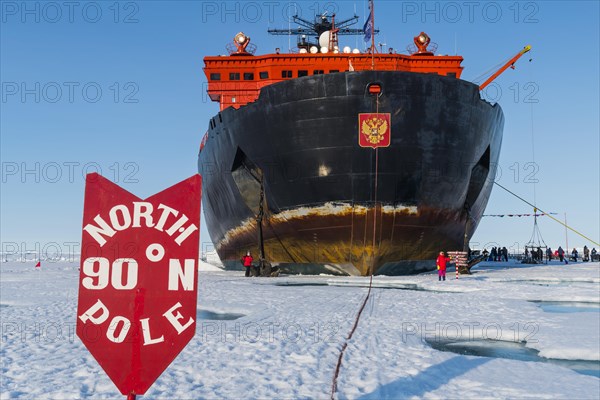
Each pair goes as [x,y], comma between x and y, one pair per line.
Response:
[236,80]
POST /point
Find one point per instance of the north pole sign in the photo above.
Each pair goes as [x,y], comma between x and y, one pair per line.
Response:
[138,279]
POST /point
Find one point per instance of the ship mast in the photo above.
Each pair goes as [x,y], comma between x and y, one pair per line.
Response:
[372,36]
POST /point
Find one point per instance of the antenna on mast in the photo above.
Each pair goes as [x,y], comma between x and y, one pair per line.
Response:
[373,28]
[455,44]
[290,27]
[382,45]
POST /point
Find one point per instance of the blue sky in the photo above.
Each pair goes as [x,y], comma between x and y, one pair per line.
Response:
[118,88]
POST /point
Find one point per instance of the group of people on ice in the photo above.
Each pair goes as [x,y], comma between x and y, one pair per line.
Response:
[497,254]
[537,255]
[561,255]
[534,256]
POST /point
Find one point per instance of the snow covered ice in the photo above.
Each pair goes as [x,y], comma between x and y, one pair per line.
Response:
[281,337]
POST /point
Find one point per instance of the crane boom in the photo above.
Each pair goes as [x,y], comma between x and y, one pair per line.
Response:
[510,63]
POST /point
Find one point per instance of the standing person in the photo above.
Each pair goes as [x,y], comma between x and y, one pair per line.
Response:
[441,265]
[549,253]
[540,254]
[493,254]
[561,253]
[593,253]
[586,254]
[247,262]
[505,253]
[526,254]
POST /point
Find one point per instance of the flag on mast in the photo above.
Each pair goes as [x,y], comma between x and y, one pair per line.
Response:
[368,27]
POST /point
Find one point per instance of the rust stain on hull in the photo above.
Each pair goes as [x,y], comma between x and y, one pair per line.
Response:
[342,234]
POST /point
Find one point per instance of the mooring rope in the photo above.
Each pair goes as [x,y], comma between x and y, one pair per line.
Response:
[548,214]
[338,366]
[345,345]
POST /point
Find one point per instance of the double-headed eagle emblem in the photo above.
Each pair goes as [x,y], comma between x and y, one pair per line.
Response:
[374,130]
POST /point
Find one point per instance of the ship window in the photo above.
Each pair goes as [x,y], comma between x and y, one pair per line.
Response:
[332,71]
[234,76]
[302,72]
[233,99]
[263,75]
[318,72]
[215,77]
[286,74]
[248,76]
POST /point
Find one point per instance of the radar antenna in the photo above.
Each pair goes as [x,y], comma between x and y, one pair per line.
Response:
[320,25]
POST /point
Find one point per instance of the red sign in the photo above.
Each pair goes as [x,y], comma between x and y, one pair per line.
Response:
[460,258]
[138,278]
[374,130]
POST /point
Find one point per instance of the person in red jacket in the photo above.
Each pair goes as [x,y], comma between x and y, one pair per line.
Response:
[441,265]
[247,261]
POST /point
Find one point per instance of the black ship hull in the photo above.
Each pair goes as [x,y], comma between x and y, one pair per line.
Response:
[322,213]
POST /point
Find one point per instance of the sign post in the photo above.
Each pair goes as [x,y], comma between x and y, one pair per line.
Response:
[460,259]
[138,279]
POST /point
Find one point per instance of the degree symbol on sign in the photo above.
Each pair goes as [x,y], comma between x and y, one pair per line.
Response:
[155,252]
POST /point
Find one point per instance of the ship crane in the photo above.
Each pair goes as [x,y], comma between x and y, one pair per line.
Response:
[510,63]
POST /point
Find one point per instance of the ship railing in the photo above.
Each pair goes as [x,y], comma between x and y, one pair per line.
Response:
[412,49]
[232,49]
